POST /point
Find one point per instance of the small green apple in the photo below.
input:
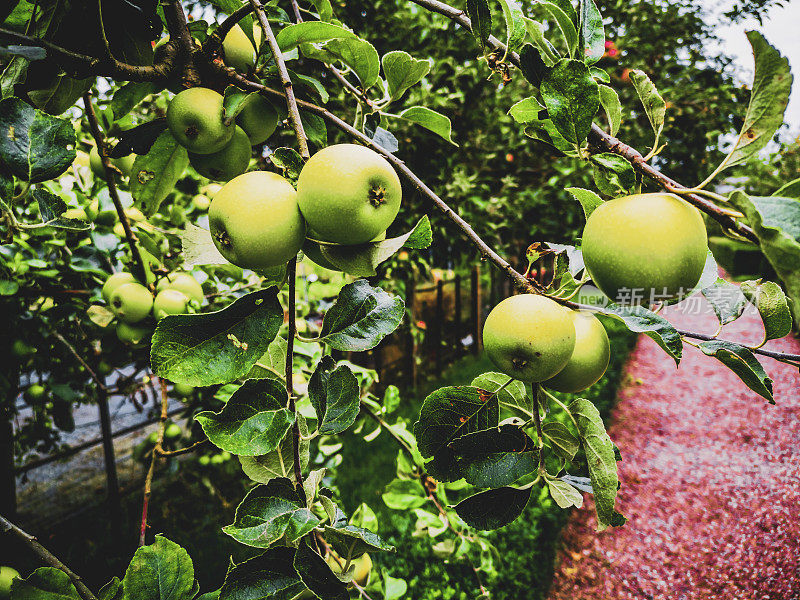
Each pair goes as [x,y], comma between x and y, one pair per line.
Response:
[131,302]
[173,431]
[529,337]
[201,202]
[258,118]
[204,460]
[135,335]
[7,575]
[34,394]
[184,283]
[114,281]
[170,302]
[361,566]
[589,359]
[255,221]
[645,247]
[182,390]
[211,189]
[103,368]
[348,194]
[238,51]
[229,162]
[20,349]
[195,119]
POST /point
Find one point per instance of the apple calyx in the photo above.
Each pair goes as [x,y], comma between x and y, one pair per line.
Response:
[377,196]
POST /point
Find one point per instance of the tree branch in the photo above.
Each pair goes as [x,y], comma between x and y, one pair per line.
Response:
[112,187]
[179,34]
[100,383]
[779,356]
[289,370]
[148,480]
[47,557]
[291,102]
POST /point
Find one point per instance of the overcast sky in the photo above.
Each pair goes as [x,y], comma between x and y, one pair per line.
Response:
[782,29]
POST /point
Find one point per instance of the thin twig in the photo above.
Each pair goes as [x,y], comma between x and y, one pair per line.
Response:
[780,356]
[289,371]
[283,72]
[47,557]
[100,383]
[112,187]
[368,411]
[148,480]
[180,451]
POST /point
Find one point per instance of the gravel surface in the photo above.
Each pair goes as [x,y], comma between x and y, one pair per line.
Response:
[710,481]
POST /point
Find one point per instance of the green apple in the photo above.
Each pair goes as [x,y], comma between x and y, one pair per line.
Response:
[195,119]
[238,51]
[645,248]
[131,302]
[183,282]
[210,189]
[173,431]
[182,390]
[7,575]
[170,302]
[103,368]
[258,118]
[204,460]
[229,162]
[201,202]
[135,335]
[20,349]
[348,194]
[589,359]
[113,282]
[34,394]
[529,337]
[217,459]
[361,566]
[255,221]
[152,439]
[124,163]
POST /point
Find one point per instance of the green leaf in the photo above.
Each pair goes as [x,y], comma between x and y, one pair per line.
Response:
[216,347]
[515,24]
[315,128]
[60,94]
[318,576]
[350,540]
[640,320]
[403,71]
[361,317]
[402,494]
[45,583]
[613,107]
[600,459]
[654,105]
[268,576]
[741,361]
[33,145]
[154,175]
[789,190]
[565,21]
[394,588]
[253,421]
[587,198]
[548,54]
[268,513]
[772,305]
[493,509]
[600,75]
[776,222]
[361,260]
[129,95]
[334,394]
[429,119]
[310,32]
[512,396]
[272,363]
[561,439]
[769,98]
[526,110]
[495,457]
[356,53]
[324,9]
[592,36]
[480,17]
[564,494]
[365,517]
[451,412]
[726,299]
[613,175]
[289,161]
[234,100]
[160,571]
[112,590]
[51,207]
[279,462]
[572,99]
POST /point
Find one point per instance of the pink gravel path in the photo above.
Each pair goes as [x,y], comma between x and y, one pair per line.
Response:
[710,482]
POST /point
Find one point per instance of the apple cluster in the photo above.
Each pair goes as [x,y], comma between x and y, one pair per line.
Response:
[346,195]
[653,243]
[131,302]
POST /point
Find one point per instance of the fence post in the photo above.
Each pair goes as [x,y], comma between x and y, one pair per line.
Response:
[475,298]
[439,325]
[112,481]
[8,482]
[411,366]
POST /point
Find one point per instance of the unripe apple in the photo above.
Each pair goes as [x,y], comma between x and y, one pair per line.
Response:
[34,394]
[134,335]
[348,194]
[201,202]
[204,460]
[258,118]
[195,119]
[589,359]
[183,282]
[529,337]
[170,302]
[20,349]
[124,163]
[645,247]
[238,51]
[103,368]
[255,222]
[114,281]
[172,431]
[211,189]
[7,575]
[182,390]
[131,302]
[361,566]
[229,162]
